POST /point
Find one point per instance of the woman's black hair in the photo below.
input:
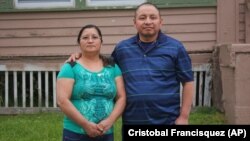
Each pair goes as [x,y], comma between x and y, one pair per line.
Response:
[107,61]
[86,27]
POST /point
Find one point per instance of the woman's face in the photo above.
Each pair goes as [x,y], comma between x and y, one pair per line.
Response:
[90,41]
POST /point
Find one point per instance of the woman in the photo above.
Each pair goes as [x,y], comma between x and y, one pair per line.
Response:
[90,91]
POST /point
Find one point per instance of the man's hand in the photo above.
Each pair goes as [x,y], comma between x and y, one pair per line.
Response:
[181,120]
[73,57]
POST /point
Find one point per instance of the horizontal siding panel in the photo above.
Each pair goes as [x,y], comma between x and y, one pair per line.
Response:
[66,50]
[242,21]
[242,1]
[242,18]
[206,36]
[20,33]
[48,41]
[109,22]
[190,19]
[123,30]
[190,47]
[55,33]
[100,13]
[188,28]
[62,32]
[191,11]
[62,23]
[242,35]
[66,15]
[38,51]
[242,7]
[242,41]
[242,27]
[200,58]
[199,46]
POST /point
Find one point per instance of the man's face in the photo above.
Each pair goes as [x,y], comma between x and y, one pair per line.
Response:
[148,22]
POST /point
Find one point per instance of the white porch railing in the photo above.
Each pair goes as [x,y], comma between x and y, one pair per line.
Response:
[202,85]
[33,88]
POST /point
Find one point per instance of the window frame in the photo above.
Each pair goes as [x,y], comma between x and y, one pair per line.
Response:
[92,3]
[45,4]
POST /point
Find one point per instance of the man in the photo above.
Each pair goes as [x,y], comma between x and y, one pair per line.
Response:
[153,66]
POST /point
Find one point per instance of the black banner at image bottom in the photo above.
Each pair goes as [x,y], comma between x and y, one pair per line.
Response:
[194,132]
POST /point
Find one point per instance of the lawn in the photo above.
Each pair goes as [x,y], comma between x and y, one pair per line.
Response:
[48,126]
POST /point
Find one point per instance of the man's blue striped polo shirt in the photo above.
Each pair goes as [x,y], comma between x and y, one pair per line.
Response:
[152,78]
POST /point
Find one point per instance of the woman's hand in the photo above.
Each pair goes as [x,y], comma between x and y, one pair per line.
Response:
[104,125]
[93,130]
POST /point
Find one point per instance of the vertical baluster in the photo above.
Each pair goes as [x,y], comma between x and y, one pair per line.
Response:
[6,89]
[195,93]
[15,88]
[54,89]
[46,89]
[23,89]
[207,92]
[200,88]
[31,89]
[39,89]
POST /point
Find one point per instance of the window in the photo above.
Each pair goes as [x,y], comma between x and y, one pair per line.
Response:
[114,2]
[21,4]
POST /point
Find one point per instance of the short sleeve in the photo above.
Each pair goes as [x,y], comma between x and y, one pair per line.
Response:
[66,71]
[117,71]
[184,65]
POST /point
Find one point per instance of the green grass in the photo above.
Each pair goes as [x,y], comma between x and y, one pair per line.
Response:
[206,116]
[48,126]
[41,127]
